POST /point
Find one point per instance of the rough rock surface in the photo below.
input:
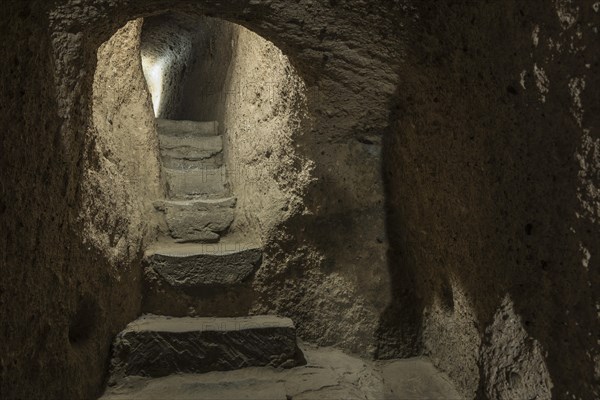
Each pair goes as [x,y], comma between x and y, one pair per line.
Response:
[416,378]
[188,153]
[487,115]
[329,374]
[197,267]
[185,128]
[157,346]
[76,180]
[162,298]
[491,170]
[197,220]
[191,183]
[512,362]
[165,63]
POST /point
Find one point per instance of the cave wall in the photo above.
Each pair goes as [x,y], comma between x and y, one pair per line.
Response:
[122,178]
[167,50]
[492,171]
[204,85]
[187,57]
[73,212]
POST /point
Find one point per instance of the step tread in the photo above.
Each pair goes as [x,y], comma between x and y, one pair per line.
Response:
[207,143]
[220,202]
[159,323]
[186,127]
[176,250]
[196,183]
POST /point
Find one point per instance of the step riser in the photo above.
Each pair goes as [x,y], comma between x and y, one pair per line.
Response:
[157,354]
[192,154]
[212,144]
[197,222]
[196,182]
[212,345]
[187,128]
[185,164]
[161,298]
[194,273]
[186,153]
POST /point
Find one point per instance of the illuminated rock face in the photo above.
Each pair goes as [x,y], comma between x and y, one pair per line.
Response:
[446,160]
[166,51]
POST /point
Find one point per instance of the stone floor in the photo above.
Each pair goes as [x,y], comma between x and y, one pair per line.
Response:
[329,374]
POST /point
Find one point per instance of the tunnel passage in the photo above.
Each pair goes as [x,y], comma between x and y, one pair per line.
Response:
[424,301]
[308,186]
[224,99]
[205,69]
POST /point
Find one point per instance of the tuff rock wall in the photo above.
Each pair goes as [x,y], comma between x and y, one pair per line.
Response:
[492,178]
[452,208]
[79,169]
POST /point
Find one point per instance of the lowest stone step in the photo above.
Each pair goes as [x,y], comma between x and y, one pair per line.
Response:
[157,346]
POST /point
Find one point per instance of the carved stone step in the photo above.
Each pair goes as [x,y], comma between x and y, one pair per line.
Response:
[187,128]
[191,152]
[158,346]
[197,220]
[200,182]
[192,268]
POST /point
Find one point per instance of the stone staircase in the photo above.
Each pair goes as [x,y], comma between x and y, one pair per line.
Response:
[195,339]
[196,269]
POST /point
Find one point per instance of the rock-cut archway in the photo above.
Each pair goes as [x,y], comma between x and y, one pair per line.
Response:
[487,115]
[326,266]
[204,69]
[343,267]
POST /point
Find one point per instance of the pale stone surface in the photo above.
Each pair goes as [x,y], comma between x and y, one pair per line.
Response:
[187,128]
[180,152]
[417,379]
[158,346]
[191,183]
[512,362]
[200,267]
[197,220]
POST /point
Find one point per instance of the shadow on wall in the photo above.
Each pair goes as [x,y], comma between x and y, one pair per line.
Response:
[399,332]
[489,244]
